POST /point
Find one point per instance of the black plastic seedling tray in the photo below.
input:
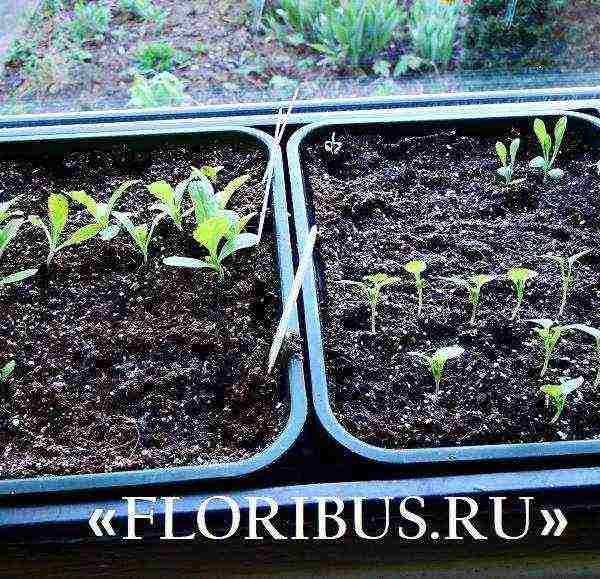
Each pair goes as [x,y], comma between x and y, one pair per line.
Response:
[313,288]
[60,142]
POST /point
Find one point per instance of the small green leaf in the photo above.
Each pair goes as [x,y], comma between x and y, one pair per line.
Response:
[211,172]
[83,234]
[241,241]
[514,149]
[501,150]
[58,211]
[415,266]
[521,274]
[537,163]
[163,191]
[118,193]
[188,262]
[540,130]
[556,174]
[210,233]
[17,277]
[559,132]
[230,189]
[449,352]
[84,199]
[7,370]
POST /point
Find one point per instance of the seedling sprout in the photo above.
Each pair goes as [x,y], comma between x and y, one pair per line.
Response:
[508,168]
[58,213]
[566,269]
[549,151]
[473,286]
[550,335]
[140,234]
[102,212]
[438,360]
[558,393]
[372,286]
[333,147]
[417,267]
[519,277]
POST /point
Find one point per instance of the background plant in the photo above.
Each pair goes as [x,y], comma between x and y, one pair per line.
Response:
[488,42]
[156,57]
[145,10]
[416,268]
[519,277]
[58,213]
[102,212]
[566,269]
[433,29]
[371,286]
[162,90]
[473,286]
[438,361]
[346,31]
[550,334]
[549,151]
[508,168]
[559,392]
[595,333]
[91,21]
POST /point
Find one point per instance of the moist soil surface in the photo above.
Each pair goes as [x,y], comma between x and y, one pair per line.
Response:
[121,365]
[387,199]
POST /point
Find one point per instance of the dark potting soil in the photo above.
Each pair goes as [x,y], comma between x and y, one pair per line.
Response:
[388,199]
[123,366]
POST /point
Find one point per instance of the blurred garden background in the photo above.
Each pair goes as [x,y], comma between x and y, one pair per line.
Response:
[59,55]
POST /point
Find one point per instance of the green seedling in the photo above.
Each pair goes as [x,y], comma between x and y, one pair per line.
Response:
[596,335]
[550,335]
[508,168]
[417,267]
[58,213]
[5,209]
[438,361]
[102,212]
[333,147]
[207,203]
[371,286]
[549,151]
[473,286]
[141,234]
[170,201]
[559,392]
[222,236]
[17,277]
[566,269]
[519,277]
[6,371]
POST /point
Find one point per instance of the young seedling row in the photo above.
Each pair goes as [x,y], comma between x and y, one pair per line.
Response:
[550,331]
[217,229]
